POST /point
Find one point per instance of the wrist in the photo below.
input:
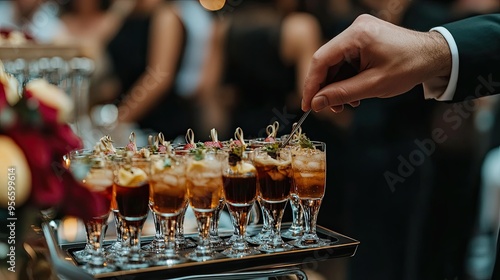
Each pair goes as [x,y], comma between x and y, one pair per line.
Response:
[439,55]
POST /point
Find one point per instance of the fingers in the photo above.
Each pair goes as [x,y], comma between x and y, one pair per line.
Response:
[324,58]
[340,108]
[349,91]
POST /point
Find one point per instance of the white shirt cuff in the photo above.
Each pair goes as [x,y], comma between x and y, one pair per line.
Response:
[440,88]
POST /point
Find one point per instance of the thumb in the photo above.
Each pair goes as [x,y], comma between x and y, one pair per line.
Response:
[351,90]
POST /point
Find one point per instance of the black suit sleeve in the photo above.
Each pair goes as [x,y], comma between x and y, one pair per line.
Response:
[478,43]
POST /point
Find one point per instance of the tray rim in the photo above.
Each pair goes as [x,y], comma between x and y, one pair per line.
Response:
[306,255]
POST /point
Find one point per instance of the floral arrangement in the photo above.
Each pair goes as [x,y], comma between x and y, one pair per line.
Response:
[34,137]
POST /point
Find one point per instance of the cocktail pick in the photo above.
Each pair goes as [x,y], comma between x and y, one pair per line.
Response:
[272,130]
[294,130]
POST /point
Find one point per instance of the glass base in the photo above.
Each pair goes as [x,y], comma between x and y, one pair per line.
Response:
[198,256]
[168,260]
[114,248]
[235,253]
[292,233]
[133,260]
[83,255]
[310,243]
[260,238]
[217,243]
[98,269]
[273,248]
[156,246]
[182,243]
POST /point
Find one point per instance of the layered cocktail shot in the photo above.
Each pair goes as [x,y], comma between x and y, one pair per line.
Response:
[204,183]
[275,182]
[168,199]
[309,175]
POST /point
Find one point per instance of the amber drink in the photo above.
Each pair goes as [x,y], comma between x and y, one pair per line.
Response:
[204,186]
[309,175]
[168,198]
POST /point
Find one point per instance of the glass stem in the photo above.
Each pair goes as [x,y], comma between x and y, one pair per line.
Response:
[95,231]
[265,218]
[311,209]
[214,225]
[134,235]
[204,220]
[240,225]
[158,227]
[119,226]
[297,215]
[168,225]
[180,222]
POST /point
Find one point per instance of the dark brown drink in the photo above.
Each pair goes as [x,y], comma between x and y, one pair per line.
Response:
[168,202]
[272,187]
[133,201]
[239,190]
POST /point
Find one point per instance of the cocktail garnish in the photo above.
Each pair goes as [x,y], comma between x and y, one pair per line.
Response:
[153,143]
[198,151]
[272,149]
[131,176]
[272,131]
[105,146]
[236,147]
[163,146]
[131,146]
[215,143]
[189,140]
[304,142]
[144,153]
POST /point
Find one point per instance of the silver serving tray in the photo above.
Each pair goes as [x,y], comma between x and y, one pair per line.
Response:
[281,263]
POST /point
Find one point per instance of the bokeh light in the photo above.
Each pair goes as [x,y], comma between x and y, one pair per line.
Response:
[213,5]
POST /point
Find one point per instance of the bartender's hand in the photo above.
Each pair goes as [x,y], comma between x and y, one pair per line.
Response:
[387,60]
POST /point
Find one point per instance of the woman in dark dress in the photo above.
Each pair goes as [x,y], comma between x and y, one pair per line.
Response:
[146,53]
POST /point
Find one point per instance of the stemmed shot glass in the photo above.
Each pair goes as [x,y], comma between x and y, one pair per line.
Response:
[216,241]
[157,144]
[240,190]
[169,197]
[296,229]
[204,182]
[274,169]
[132,188]
[96,174]
[309,174]
[265,232]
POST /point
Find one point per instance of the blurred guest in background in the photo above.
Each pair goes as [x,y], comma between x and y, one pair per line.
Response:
[91,24]
[146,54]
[260,53]
[198,23]
[37,18]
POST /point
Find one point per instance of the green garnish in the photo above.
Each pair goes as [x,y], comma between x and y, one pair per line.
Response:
[235,152]
[272,149]
[167,163]
[304,142]
[198,152]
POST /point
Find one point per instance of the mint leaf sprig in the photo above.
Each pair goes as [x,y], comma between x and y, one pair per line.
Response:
[305,142]
[272,149]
